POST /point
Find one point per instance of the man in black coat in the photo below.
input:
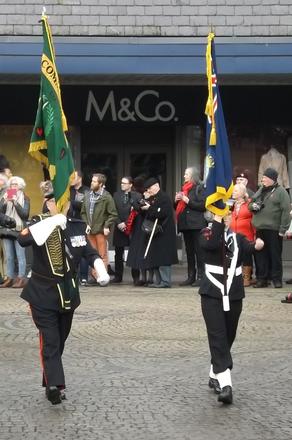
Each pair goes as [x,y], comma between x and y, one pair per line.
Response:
[162,251]
[77,193]
[221,293]
[52,292]
[124,201]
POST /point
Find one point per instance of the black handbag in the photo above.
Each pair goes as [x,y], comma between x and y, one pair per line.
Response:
[9,233]
[148,225]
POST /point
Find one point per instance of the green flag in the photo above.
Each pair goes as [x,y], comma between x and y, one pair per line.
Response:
[48,142]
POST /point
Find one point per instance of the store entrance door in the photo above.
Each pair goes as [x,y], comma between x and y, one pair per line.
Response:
[116,160]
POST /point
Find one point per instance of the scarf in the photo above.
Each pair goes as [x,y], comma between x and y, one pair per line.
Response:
[11,210]
[264,192]
[181,204]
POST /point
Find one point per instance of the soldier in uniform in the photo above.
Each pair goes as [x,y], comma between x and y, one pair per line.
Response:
[221,293]
[58,244]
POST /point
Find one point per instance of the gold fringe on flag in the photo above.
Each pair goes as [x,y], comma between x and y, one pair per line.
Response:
[209,110]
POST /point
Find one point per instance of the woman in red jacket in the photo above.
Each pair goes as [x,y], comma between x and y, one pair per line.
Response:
[241,223]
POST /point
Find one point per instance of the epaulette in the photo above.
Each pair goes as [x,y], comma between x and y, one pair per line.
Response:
[207,233]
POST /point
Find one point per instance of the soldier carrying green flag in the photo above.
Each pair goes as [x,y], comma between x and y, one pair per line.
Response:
[58,243]
[48,143]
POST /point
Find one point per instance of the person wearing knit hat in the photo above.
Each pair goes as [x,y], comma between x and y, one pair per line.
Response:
[271,173]
[271,208]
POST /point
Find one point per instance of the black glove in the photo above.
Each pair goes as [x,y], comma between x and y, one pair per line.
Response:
[8,222]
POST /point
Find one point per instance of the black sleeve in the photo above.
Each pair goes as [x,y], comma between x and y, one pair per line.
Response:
[23,211]
[135,201]
[3,206]
[197,205]
[211,239]
[25,239]
[248,247]
[159,210]
[76,205]
[197,199]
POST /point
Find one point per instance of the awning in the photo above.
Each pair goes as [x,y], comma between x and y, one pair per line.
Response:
[165,63]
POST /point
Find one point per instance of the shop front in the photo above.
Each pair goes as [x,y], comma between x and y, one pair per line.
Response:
[148,130]
[138,109]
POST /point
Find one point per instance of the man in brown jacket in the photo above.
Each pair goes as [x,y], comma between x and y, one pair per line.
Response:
[99,212]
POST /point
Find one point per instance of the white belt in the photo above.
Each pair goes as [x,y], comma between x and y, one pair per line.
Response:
[219,269]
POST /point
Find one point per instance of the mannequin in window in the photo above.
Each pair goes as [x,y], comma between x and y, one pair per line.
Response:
[276,160]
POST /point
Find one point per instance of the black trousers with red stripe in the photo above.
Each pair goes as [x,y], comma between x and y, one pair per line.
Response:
[54,328]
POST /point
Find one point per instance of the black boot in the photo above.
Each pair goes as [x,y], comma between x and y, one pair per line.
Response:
[260,284]
[54,395]
[190,279]
[214,385]
[187,282]
[109,270]
[225,395]
[197,283]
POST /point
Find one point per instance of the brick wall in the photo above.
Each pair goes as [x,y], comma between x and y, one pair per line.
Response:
[149,18]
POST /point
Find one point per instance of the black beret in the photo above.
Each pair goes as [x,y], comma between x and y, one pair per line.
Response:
[149,182]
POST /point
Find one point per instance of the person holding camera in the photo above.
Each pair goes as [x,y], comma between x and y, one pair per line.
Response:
[15,204]
[271,207]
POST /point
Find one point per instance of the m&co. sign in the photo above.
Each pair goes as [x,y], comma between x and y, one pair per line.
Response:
[145,106]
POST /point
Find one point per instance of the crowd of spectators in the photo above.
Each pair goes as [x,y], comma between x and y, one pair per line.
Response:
[144,221]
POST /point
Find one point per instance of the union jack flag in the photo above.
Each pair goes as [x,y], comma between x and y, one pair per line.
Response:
[218,166]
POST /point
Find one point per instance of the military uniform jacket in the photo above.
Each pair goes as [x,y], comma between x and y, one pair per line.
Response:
[235,246]
[47,268]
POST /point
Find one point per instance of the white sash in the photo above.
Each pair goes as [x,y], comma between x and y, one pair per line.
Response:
[233,270]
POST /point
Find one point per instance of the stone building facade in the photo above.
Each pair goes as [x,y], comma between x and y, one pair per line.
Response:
[155,18]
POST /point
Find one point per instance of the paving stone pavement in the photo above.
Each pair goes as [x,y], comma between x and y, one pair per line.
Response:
[137,366]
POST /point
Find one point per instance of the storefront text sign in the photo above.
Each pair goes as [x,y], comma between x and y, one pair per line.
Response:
[146,107]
